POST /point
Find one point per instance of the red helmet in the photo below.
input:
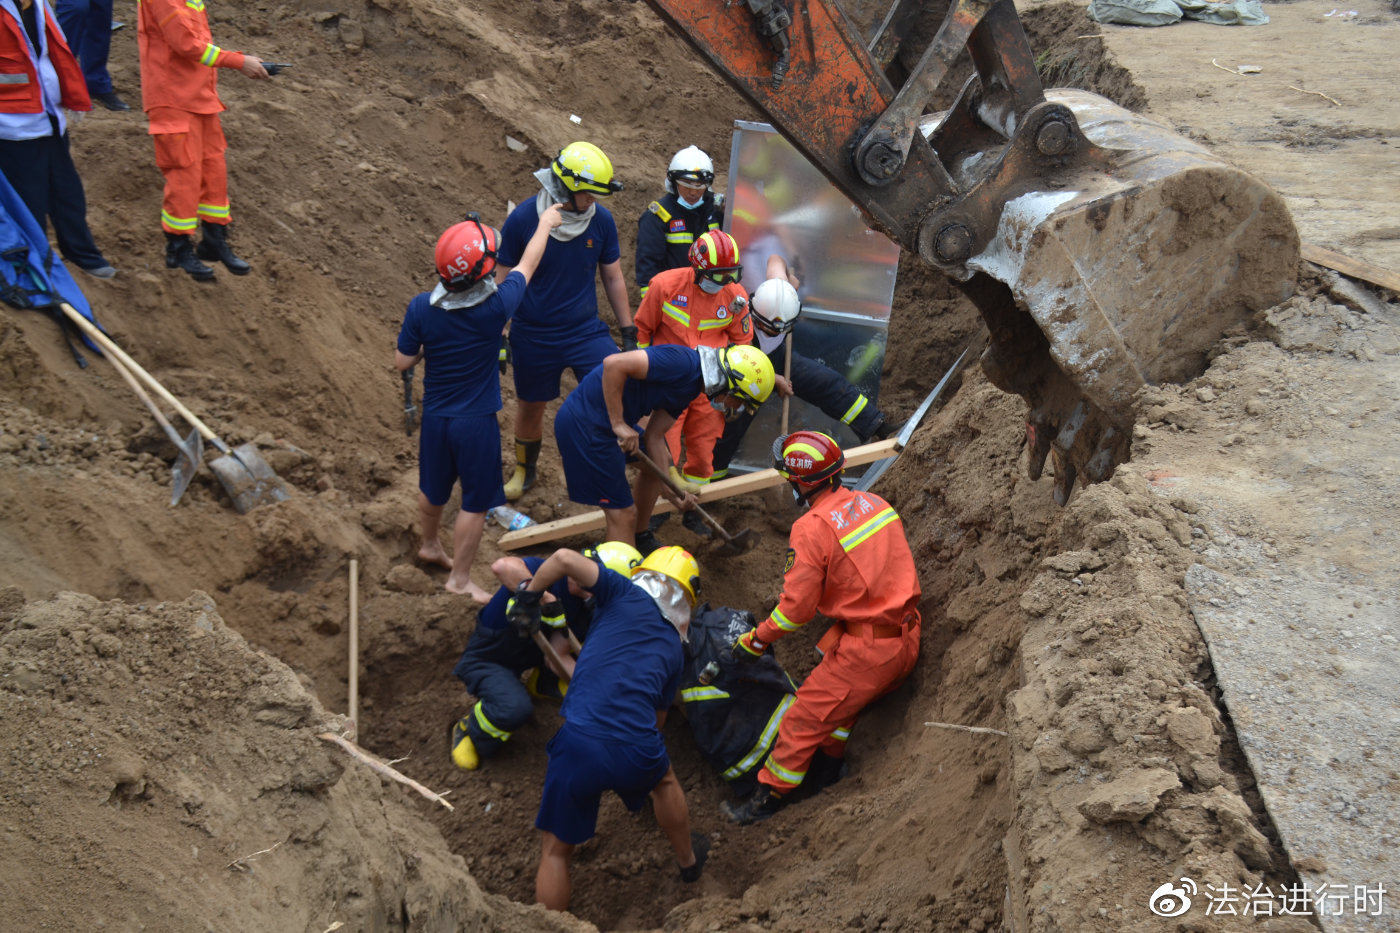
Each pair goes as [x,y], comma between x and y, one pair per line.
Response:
[715,256]
[808,458]
[466,254]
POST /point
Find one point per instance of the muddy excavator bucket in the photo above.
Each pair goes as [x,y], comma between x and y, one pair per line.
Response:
[1104,251]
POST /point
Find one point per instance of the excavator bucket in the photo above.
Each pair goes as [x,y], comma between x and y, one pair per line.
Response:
[1104,251]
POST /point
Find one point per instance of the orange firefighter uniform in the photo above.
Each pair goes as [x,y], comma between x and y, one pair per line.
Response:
[179,92]
[849,560]
[677,311]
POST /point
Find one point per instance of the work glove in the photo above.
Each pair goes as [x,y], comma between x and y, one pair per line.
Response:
[748,647]
[552,615]
[503,358]
[523,610]
[629,337]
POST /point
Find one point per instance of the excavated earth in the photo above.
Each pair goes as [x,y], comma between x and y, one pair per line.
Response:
[167,674]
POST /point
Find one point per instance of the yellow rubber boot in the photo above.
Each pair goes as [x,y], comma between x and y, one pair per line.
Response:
[527,454]
[683,484]
[464,753]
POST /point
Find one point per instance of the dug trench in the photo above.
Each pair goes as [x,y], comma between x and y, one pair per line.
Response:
[164,673]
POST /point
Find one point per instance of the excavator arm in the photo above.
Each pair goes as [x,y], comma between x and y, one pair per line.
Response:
[1104,251]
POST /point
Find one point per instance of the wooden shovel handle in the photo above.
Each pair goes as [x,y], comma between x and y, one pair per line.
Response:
[141,393]
[666,478]
[105,342]
[547,647]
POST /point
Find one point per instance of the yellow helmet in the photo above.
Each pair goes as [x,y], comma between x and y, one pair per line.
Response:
[749,374]
[615,555]
[583,167]
[676,563]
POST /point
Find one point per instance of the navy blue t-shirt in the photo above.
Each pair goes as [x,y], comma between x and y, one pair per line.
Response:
[562,296]
[630,667]
[672,382]
[461,350]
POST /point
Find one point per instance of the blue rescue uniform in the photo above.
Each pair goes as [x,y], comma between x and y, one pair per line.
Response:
[595,468]
[460,439]
[557,326]
[496,656]
[629,670]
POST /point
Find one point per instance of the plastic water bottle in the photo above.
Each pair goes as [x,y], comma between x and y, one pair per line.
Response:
[508,518]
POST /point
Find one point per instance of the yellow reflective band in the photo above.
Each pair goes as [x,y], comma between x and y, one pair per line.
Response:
[211,51]
[862,533]
[179,223]
[643,346]
[698,480]
[714,225]
[702,693]
[680,237]
[196,5]
[719,474]
[672,311]
[783,774]
[715,323]
[765,742]
[807,449]
[485,724]
[212,210]
[854,411]
[555,623]
[841,735]
[644,290]
[782,621]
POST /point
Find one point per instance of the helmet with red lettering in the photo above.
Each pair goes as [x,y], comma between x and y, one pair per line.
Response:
[466,254]
[809,459]
[714,255]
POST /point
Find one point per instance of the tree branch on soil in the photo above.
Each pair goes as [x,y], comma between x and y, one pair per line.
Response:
[374,764]
[979,729]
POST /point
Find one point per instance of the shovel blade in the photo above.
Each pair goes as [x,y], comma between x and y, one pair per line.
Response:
[741,543]
[187,461]
[247,478]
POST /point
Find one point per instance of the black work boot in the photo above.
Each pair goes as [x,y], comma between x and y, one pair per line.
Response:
[215,247]
[763,804]
[179,254]
[695,524]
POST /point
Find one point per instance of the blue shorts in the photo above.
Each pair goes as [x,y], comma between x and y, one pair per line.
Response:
[465,449]
[582,766]
[595,468]
[539,364]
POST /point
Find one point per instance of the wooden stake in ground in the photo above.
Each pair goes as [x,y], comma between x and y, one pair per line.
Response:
[374,764]
[980,730]
[354,704]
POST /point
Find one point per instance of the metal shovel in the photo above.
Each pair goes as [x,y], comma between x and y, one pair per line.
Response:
[244,474]
[733,545]
[191,452]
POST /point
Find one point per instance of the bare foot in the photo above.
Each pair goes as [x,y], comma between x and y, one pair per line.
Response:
[434,554]
[468,589]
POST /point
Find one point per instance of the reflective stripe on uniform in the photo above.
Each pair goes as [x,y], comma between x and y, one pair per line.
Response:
[679,237]
[211,51]
[486,725]
[765,741]
[702,693]
[855,538]
[698,480]
[715,323]
[213,211]
[854,411]
[782,621]
[183,224]
[841,734]
[671,311]
[783,774]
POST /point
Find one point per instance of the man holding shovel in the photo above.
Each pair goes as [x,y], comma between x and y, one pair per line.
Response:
[596,426]
[849,560]
[456,330]
[498,655]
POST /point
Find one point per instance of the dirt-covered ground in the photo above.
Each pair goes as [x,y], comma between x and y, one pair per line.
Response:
[165,673]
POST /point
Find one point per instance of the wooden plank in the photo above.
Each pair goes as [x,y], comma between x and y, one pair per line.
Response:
[1356,268]
[724,489]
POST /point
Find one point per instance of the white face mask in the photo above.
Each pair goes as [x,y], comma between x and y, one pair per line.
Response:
[710,287]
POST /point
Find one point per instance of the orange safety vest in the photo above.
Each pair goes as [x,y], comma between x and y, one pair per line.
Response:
[19,73]
[677,311]
[179,59]
[849,560]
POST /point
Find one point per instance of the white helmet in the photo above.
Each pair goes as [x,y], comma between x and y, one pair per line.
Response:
[775,306]
[692,168]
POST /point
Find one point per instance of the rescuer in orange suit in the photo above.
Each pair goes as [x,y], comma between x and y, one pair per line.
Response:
[699,305]
[849,560]
[180,94]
